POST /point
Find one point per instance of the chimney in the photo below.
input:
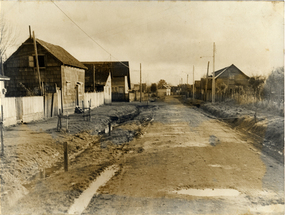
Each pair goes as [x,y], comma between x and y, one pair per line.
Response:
[30,31]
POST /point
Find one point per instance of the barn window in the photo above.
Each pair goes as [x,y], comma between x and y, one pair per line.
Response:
[32,61]
[232,76]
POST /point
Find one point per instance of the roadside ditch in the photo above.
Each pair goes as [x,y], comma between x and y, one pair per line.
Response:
[89,154]
[265,129]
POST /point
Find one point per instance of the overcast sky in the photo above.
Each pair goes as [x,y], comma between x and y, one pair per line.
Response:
[166,37]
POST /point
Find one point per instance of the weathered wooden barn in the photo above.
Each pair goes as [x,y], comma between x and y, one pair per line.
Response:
[58,70]
[120,77]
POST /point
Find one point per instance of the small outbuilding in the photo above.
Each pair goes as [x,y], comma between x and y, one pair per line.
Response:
[120,77]
[98,79]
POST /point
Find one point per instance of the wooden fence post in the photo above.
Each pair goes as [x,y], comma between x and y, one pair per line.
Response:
[83,110]
[2,139]
[90,110]
[59,121]
[109,128]
[67,122]
[65,157]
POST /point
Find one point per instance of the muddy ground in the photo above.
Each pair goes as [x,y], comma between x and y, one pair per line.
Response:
[183,149]
[34,155]
[165,147]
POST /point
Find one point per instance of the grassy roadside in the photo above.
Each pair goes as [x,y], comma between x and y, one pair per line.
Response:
[266,127]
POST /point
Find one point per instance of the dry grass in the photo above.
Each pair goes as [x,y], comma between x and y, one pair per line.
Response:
[274,107]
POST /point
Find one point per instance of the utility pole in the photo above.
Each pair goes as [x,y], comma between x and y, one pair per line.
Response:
[187,79]
[193,84]
[206,87]
[94,85]
[37,61]
[140,82]
[213,77]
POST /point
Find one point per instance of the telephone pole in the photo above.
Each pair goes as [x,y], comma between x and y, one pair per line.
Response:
[140,82]
[206,86]
[193,84]
[37,63]
[213,77]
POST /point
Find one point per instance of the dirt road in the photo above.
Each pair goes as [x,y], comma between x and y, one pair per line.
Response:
[188,163]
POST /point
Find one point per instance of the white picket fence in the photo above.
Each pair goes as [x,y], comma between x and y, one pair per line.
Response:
[9,111]
[27,109]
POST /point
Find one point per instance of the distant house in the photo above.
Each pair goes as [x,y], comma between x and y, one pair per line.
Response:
[134,93]
[164,91]
[120,77]
[136,87]
[98,79]
[228,80]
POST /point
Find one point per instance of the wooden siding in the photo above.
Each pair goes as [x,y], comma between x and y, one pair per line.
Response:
[72,82]
[233,76]
[24,78]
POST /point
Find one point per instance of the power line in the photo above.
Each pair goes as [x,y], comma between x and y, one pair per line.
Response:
[129,23]
[86,33]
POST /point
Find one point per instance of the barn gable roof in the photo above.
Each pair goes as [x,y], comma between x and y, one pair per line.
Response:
[58,52]
[221,71]
[61,54]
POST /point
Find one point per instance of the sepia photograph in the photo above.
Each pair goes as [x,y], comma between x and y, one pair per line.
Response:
[141,107]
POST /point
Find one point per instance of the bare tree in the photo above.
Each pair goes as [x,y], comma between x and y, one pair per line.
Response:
[7,39]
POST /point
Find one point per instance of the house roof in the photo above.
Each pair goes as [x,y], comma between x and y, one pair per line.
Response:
[117,69]
[61,54]
[221,71]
